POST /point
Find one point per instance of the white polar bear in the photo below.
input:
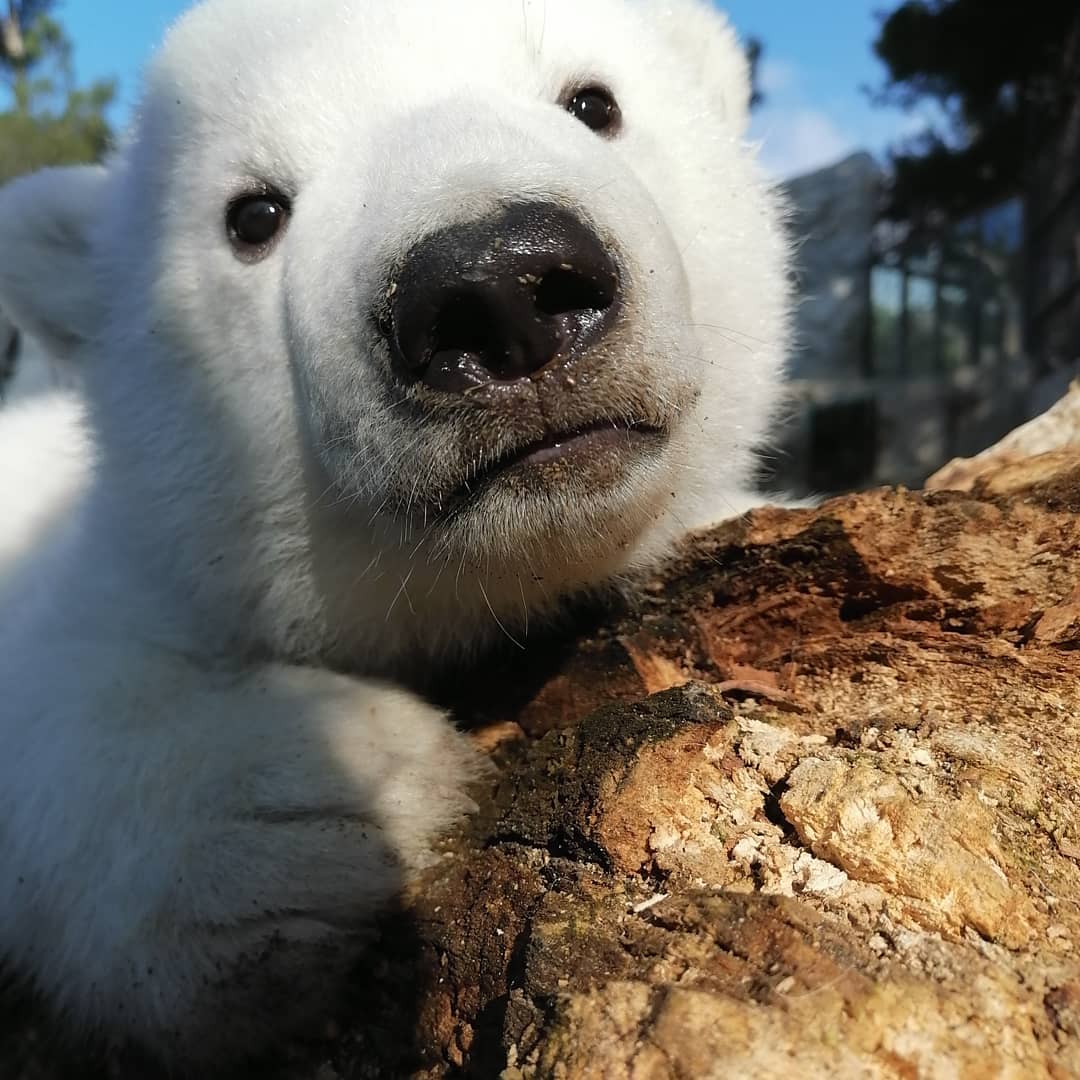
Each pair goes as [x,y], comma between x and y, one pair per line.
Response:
[399,322]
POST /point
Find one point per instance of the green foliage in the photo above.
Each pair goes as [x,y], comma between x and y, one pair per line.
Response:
[49,120]
[1001,73]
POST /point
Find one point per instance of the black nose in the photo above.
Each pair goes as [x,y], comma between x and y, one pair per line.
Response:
[500,299]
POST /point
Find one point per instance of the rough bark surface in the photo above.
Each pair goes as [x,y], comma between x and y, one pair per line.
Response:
[811,808]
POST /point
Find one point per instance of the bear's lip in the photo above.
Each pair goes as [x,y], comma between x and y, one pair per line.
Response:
[561,444]
[600,447]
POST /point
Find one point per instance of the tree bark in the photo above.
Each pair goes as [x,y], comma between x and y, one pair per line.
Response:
[12,44]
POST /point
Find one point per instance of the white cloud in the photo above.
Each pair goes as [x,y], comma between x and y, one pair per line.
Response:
[915,123]
[776,76]
[800,132]
[799,140]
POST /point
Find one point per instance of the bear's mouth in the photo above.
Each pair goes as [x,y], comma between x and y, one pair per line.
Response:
[595,454]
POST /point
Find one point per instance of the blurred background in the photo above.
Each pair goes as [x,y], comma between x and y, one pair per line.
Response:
[930,152]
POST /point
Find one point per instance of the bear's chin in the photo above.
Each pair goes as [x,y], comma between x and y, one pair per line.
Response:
[576,516]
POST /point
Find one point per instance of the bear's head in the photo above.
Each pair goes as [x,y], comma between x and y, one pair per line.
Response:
[395,315]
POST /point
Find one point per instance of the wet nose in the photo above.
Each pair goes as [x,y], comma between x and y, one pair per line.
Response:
[500,299]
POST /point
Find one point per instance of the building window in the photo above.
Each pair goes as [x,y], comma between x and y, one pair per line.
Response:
[946,302]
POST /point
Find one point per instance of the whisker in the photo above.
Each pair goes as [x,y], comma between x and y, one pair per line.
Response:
[397,596]
[498,621]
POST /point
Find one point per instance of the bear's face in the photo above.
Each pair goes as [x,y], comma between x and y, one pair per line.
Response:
[505,267]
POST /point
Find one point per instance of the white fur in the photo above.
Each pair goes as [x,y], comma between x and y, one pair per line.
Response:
[183,777]
[49,216]
[45,452]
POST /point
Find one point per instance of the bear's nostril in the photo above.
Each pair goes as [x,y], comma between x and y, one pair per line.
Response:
[465,324]
[567,290]
[465,345]
[491,331]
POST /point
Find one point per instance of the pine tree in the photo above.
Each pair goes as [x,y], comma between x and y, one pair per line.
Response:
[49,120]
[1002,74]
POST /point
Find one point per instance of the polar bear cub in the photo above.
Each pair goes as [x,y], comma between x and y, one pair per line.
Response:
[399,324]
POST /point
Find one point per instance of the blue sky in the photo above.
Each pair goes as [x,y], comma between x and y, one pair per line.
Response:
[817,58]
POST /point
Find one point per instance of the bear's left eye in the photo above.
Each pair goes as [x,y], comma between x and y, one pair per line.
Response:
[254,221]
[596,108]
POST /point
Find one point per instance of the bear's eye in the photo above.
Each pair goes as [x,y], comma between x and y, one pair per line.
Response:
[253,221]
[596,108]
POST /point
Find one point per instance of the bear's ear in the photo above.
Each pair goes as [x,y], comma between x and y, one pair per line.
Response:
[47,280]
[713,54]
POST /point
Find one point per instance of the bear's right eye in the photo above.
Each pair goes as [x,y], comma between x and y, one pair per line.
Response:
[254,222]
